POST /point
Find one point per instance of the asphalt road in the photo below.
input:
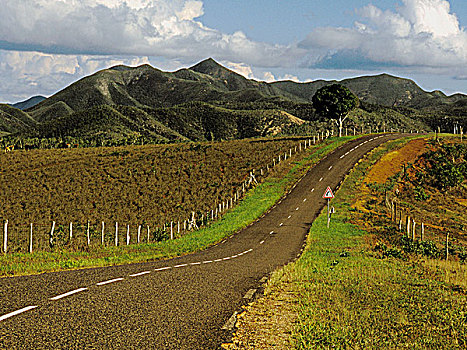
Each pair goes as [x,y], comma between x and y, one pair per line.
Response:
[181,303]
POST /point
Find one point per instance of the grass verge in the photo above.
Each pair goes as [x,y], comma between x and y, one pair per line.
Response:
[347,296]
[256,202]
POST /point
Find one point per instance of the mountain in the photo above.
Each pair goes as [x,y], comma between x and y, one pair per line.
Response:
[13,120]
[209,101]
[30,102]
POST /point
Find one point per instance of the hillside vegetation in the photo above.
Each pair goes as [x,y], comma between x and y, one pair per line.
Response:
[353,287]
[124,105]
[134,185]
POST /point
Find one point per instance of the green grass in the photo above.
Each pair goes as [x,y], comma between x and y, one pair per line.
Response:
[349,297]
[256,202]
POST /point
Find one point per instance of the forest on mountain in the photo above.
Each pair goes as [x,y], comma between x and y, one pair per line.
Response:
[128,105]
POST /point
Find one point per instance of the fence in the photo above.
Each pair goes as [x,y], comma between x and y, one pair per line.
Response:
[408,225]
[31,237]
[35,237]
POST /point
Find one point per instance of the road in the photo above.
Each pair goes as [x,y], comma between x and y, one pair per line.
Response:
[182,303]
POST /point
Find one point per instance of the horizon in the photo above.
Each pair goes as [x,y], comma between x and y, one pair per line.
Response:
[210,58]
[420,40]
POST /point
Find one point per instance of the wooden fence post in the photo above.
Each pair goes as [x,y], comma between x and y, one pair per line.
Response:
[171,230]
[51,238]
[102,233]
[422,232]
[148,233]
[5,237]
[447,246]
[71,230]
[139,233]
[128,235]
[413,230]
[116,233]
[408,226]
[30,240]
[87,235]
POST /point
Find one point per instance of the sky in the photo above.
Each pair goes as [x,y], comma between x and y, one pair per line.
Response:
[45,45]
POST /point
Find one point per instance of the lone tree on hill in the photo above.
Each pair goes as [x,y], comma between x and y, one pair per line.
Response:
[335,102]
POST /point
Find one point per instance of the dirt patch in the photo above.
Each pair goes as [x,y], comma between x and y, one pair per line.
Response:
[391,163]
[267,323]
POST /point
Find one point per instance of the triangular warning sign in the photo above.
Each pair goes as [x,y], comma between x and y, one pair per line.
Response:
[328,193]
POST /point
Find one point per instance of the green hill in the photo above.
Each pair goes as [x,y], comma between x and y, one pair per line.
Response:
[209,101]
[13,120]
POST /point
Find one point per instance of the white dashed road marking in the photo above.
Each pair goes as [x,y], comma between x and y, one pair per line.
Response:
[109,281]
[17,312]
[68,293]
[163,268]
[181,265]
[140,273]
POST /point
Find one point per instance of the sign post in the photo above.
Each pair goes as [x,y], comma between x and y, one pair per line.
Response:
[328,195]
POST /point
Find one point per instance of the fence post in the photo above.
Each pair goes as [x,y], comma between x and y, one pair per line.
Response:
[71,230]
[171,230]
[148,233]
[447,246]
[102,233]
[422,232]
[139,233]
[30,240]
[51,239]
[128,235]
[116,233]
[5,237]
[87,235]
[408,226]
[413,230]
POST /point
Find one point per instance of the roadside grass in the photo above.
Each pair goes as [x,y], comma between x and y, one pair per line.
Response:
[253,205]
[349,296]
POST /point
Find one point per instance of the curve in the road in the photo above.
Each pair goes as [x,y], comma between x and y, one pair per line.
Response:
[180,303]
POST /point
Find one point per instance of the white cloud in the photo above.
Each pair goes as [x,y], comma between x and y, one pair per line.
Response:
[247,71]
[290,77]
[240,68]
[29,73]
[421,33]
[166,28]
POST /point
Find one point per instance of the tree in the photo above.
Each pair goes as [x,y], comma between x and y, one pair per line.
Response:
[335,102]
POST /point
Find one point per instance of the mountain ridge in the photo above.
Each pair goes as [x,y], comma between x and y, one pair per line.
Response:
[145,101]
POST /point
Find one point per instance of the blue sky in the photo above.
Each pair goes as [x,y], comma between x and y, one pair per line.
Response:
[46,45]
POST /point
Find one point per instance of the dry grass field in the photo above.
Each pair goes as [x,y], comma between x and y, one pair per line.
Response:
[133,185]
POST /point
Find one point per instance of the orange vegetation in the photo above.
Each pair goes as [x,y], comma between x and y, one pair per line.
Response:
[392,162]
